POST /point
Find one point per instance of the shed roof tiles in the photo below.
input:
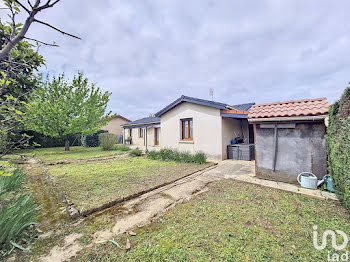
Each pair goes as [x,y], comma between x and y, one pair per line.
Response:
[305,107]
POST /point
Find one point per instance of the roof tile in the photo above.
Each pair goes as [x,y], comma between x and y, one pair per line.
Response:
[305,107]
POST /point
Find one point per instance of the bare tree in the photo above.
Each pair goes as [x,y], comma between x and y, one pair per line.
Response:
[32,9]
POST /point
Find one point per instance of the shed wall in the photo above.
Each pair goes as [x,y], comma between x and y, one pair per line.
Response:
[302,149]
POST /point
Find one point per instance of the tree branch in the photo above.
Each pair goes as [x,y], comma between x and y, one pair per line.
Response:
[4,52]
[23,6]
[55,28]
[30,4]
[41,42]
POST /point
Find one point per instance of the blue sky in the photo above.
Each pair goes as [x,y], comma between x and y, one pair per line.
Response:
[148,53]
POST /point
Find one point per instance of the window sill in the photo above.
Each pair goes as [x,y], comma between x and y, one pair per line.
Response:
[186,142]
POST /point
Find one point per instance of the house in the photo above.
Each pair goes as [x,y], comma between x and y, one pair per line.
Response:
[114,126]
[191,124]
[290,138]
[144,132]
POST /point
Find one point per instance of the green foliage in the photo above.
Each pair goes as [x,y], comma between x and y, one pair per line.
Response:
[11,182]
[92,140]
[136,152]
[108,141]
[15,219]
[59,107]
[167,154]
[338,146]
[19,74]
[122,148]
[17,213]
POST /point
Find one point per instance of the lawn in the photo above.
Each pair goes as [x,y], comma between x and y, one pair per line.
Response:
[90,185]
[233,221]
[58,154]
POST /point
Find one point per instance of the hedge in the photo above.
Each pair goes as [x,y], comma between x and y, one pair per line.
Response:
[92,140]
[338,147]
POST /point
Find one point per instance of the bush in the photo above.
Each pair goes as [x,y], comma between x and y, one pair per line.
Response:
[107,141]
[15,219]
[11,183]
[174,155]
[91,140]
[338,147]
[122,148]
[200,158]
[17,213]
[136,152]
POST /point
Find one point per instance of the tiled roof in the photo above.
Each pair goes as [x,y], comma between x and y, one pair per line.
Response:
[120,116]
[305,107]
[204,102]
[144,120]
[244,107]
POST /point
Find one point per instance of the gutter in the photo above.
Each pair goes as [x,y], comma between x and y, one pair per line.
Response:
[140,124]
[289,118]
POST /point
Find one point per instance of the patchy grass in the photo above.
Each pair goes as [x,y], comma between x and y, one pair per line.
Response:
[90,185]
[77,152]
[233,221]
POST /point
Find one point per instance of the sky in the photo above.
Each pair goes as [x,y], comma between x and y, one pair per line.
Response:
[150,52]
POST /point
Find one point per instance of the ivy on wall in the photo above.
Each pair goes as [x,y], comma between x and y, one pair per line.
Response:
[338,146]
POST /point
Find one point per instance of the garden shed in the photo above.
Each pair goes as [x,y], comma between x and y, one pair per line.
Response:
[290,138]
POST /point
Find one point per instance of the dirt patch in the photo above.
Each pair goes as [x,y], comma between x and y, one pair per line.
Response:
[61,253]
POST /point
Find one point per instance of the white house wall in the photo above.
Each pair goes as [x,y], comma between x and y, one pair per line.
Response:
[207,129]
[139,141]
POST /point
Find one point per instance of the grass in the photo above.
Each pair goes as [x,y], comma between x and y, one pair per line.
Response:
[93,184]
[75,153]
[233,221]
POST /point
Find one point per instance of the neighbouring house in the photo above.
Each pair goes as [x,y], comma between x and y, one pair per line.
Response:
[193,125]
[290,138]
[144,132]
[114,126]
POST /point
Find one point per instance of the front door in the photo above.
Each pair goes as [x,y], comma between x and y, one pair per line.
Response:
[156,136]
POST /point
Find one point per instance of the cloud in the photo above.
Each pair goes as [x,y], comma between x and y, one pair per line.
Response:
[148,53]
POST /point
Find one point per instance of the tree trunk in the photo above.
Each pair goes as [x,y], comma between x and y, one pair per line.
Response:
[66,144]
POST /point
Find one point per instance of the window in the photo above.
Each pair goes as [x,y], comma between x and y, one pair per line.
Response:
[187,129]
[130,132]
[140,132]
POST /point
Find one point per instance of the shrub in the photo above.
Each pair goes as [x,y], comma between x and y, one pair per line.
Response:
[91,140]
[17,213]
[107,141]
[136,152]
[338,147]
[11,183]
[15,219]
[200,158]
[122,148]
[174,155]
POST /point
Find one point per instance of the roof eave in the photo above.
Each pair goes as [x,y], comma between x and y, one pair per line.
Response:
[288,118]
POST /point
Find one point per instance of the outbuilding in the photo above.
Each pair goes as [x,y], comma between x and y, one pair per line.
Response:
[290,138]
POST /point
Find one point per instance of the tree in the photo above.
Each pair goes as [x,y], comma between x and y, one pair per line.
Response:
[18,35]
[60,108]
[21,73]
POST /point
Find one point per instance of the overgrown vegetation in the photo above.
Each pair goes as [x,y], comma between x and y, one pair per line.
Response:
[174,155]
[338,146]
[92,184]
[136,152]
[17,214]
[228,223]
[107,141]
